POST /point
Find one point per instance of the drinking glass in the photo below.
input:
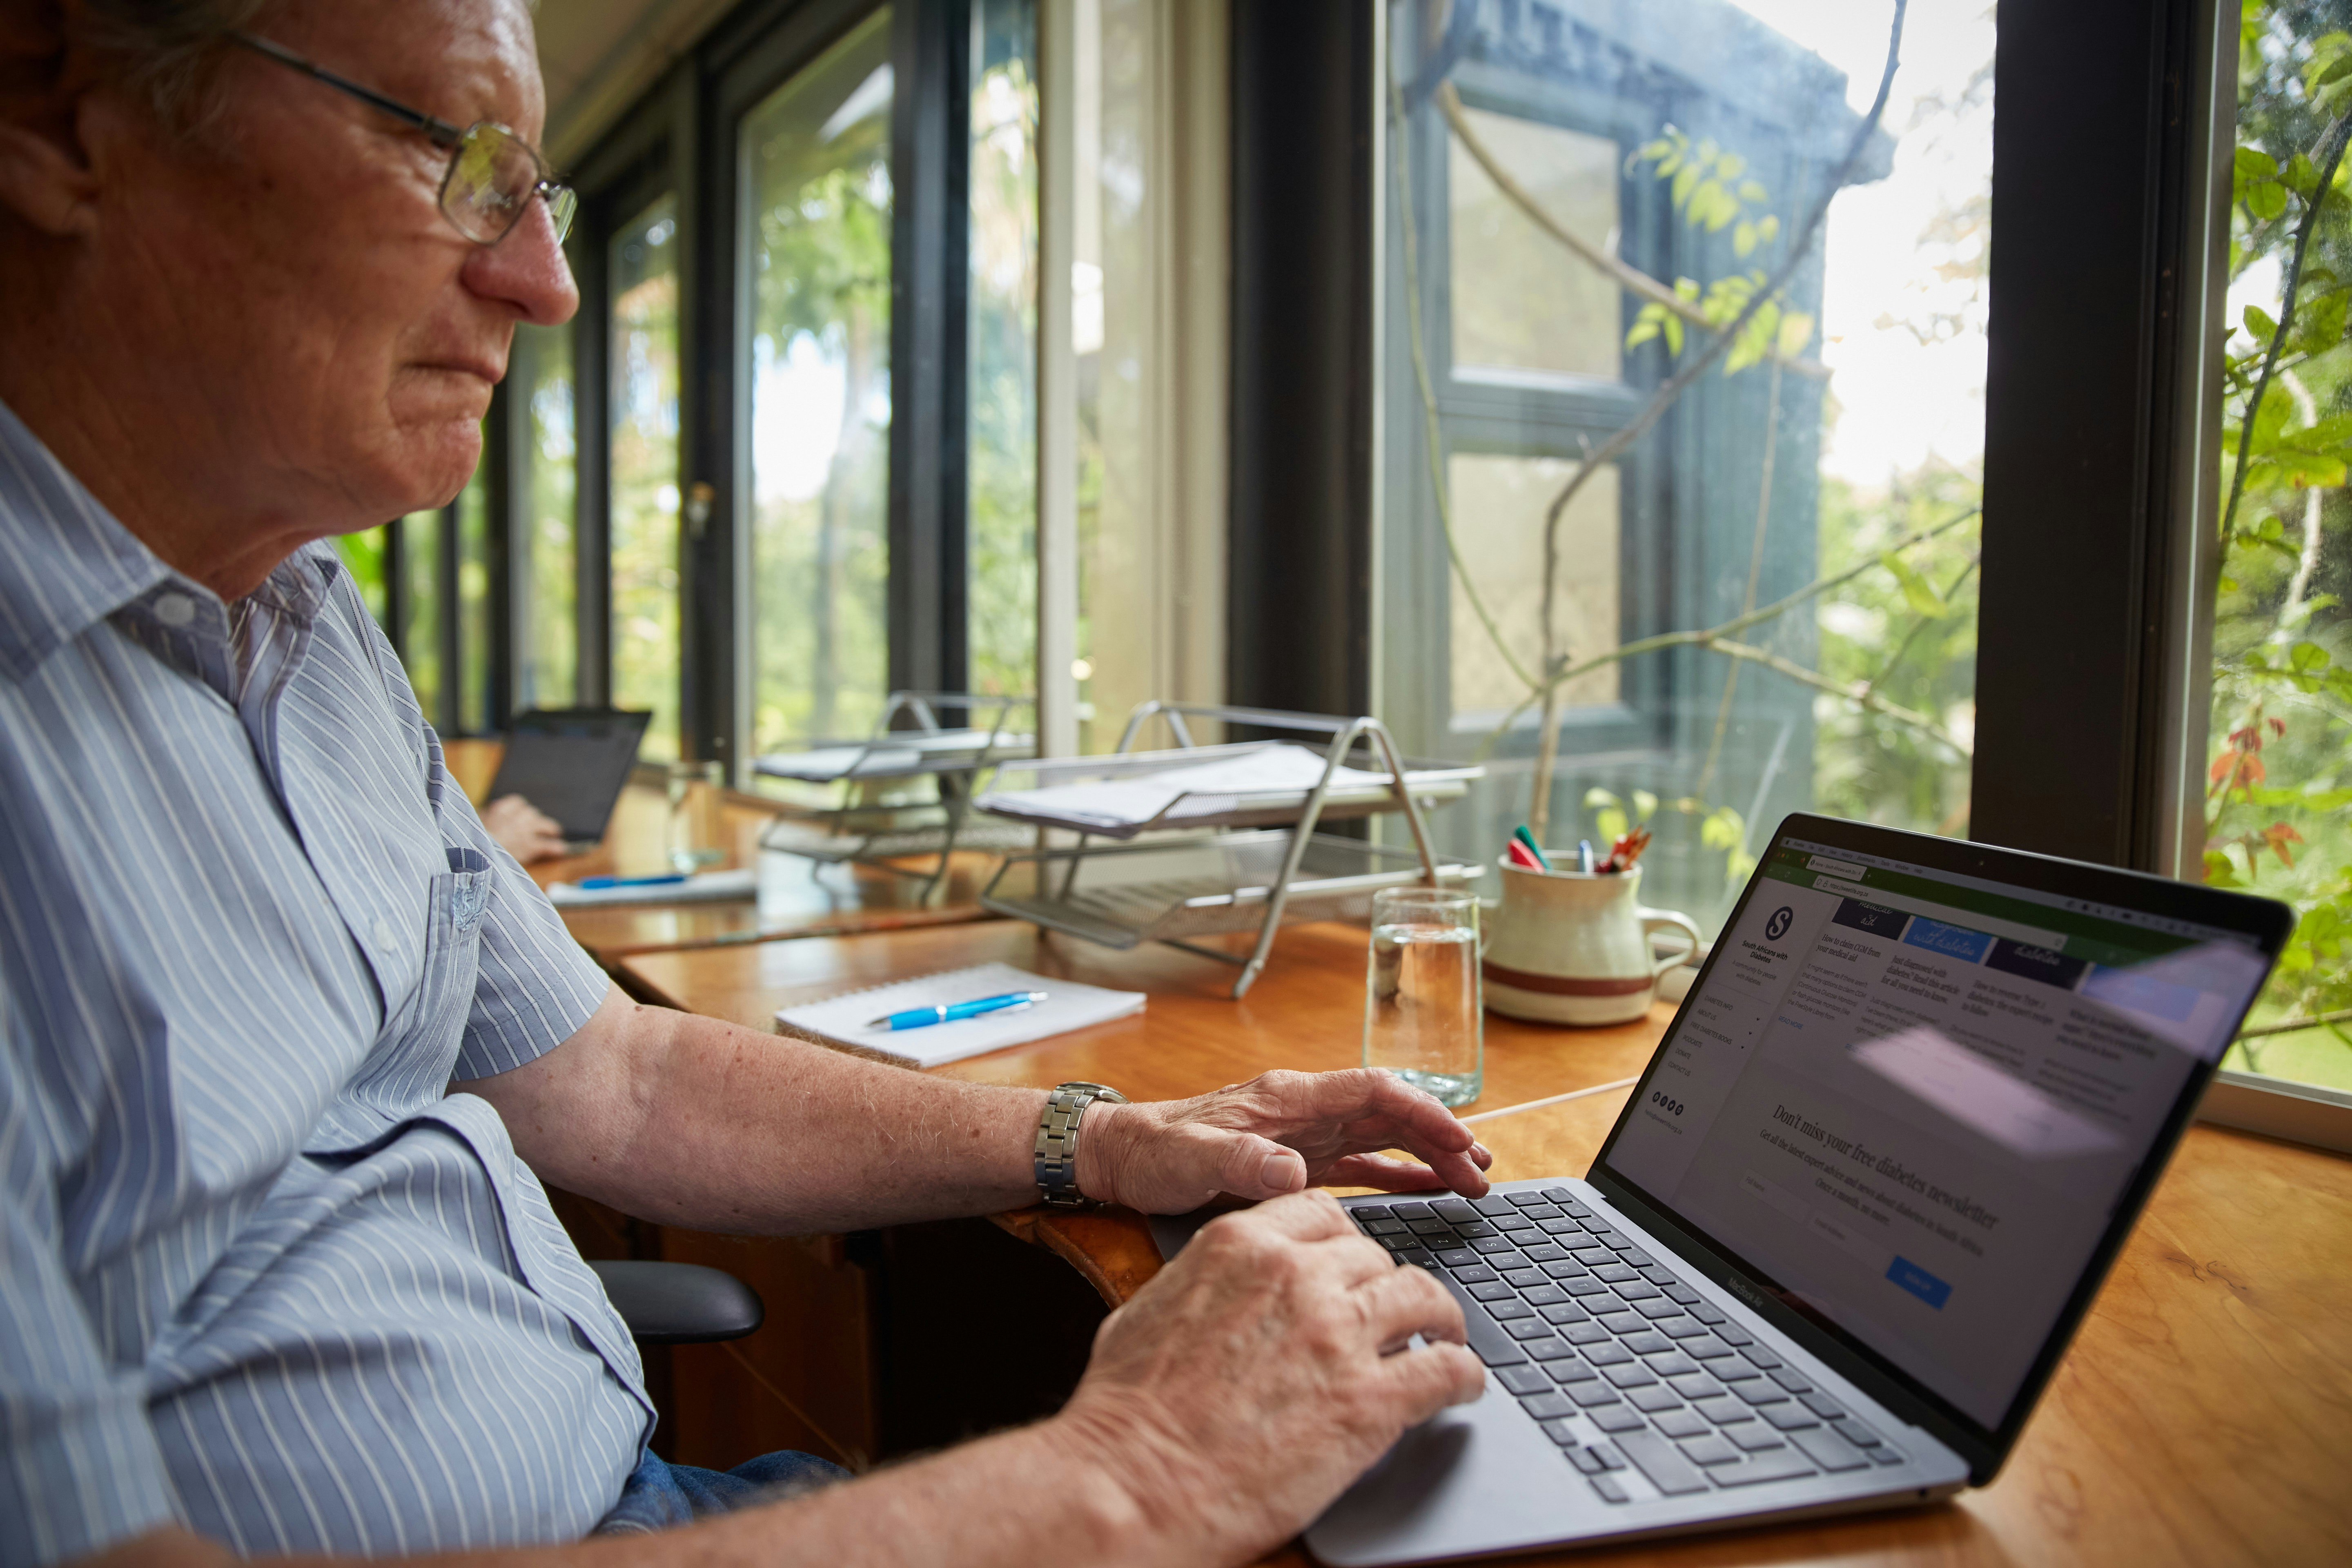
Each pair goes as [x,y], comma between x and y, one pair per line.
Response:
[694,816]
[1423,1011]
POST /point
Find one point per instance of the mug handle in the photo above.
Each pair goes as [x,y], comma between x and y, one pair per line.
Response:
[1667,920]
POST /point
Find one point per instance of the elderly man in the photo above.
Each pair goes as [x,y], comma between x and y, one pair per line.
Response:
[286,1045]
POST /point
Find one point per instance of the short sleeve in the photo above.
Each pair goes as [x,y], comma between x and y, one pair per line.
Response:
[80,1467]
[536,986]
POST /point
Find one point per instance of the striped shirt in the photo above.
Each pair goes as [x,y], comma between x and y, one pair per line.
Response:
[265,1271]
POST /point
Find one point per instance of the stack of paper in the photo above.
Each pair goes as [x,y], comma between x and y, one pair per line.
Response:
[845,1020]
[704,887]
[1270,778]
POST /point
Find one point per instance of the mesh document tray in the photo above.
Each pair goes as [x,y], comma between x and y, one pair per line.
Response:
[885,833]
[907,753]
[1168,891]
[1260,783]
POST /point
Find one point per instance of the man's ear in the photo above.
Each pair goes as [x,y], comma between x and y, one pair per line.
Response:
[45,177]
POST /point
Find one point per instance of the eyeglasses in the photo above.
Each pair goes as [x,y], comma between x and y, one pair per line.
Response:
[493,174]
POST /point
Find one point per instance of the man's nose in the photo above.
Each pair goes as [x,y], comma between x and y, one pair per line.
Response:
[528,270]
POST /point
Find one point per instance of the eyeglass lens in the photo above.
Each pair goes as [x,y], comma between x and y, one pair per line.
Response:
[493,177]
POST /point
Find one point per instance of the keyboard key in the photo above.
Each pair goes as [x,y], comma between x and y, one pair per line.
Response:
[1560,1195]
[1619,1242]
[1523,1278]
[1544,1252]
[1682,1328]
[1662,1462]
[1545,1295]
[1563,1432]
[1629,1374]
[1585,1334]
[1528,1328]
[1566,1312]
[1585,1459]
[1491,1291]
[1606,1354]
[1404,1242]
[1511,1307]
[1683,1293]
[1681,1422]
[1822,1405]
[1485,1336]
[1549,1350]
[1759,1393]
[1778,1466]
[1567,1268]
[1708,1315]
[1608,1455]
[1855,1432]
[1517,1224]
[1593,1224]
[1707,1349]
[1418,1257]
[1709,1450]
[1883,1455]
[1541,1212]
[1790,1378]
[1757,1355]
[1544,1406]
[1385,1227]
[1452,1208]
[1722,1411]
[1616,1418]
[1754,1437]
[1653,1399]
[1608,1489]
[1829,1451]
[1656,1307]
[1733,1371]
[1426,1225]
[1730,1333]
[1623,1322]
[1572,1369]
[1671,1365]
[1493,1243]
[1645,1262]
[1616,1273]
[1409,1210]
[1493,1205]
[1593,1256]
[1586,1286]
[1563,1225]
[1475,1273]
[1371,1211]
[1591,1396]
[1527,1200]
[1523,1380]
[1460,1258]
[1696,1386]
[1789,1417]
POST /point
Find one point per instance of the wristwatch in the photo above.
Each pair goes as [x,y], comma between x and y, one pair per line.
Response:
[1056,1156]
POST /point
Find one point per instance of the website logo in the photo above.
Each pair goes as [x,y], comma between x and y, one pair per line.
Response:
[1777,926]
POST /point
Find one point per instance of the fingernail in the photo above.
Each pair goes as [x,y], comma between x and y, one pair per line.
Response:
[1276,1172]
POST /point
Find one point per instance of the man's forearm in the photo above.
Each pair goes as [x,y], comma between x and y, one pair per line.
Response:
[691,1120]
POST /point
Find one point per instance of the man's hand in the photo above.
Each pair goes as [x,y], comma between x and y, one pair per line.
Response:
[522,829]
[1259,1373]
[1278,1133]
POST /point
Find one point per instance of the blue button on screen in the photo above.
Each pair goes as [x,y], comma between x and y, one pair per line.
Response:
[1919,1282]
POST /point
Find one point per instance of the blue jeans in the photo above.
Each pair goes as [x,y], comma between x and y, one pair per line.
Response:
[663,1496]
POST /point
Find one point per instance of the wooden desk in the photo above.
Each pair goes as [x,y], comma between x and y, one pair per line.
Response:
[798,896]
[2202,1415]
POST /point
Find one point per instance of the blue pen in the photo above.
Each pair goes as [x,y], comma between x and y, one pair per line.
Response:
[1584,856]
[597,884]
[953,1012]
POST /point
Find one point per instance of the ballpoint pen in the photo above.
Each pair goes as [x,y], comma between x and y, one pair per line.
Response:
[597,884]
[953,1012]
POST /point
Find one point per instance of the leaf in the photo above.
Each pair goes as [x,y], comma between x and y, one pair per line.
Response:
[1611,823]
[1918,591]
[2266,199]
[2259,324]
[1645,806]
[1731,166]
[2220,871]
[1749,191]
[1646,322]
[1673,328]
[1767,228]
[1796,331]
[1743,239]
[2254,164]
[2300,176]
[1596,797]
[1723,829]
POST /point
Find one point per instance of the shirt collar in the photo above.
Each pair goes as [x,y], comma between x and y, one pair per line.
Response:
[66,563]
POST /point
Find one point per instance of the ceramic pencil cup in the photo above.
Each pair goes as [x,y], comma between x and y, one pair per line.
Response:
[1573,947]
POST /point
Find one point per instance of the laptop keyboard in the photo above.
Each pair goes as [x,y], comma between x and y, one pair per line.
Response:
[1613,1354]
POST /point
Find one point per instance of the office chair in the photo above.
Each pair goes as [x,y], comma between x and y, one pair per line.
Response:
[680,1303]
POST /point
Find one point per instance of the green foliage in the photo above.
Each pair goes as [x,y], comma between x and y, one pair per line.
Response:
[2279,786]
[1709,187]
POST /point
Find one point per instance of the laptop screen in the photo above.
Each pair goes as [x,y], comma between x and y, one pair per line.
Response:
[570,763]
[1912,1099]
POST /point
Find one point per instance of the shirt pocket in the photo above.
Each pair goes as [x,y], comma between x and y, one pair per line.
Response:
[409,1068]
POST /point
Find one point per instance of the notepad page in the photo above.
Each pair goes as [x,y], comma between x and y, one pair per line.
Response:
[842,1020]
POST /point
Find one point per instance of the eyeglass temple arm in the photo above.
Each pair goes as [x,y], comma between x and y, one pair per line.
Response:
[443,133]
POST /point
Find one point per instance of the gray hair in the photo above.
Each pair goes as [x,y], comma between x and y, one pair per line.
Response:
[164,50]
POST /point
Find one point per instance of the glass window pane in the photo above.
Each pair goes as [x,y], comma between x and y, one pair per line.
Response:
[473,607]
[818,176]
[420,640]
[1767,603]
[1515,307]
[645,489]
[2278,811]
[1002,420]
[547,543]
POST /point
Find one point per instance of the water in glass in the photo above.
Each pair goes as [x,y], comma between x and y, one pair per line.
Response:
[1423,1018]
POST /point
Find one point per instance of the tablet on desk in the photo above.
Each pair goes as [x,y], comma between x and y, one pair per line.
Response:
[570,763]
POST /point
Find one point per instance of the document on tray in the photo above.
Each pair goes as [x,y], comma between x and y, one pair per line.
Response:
[1268,778]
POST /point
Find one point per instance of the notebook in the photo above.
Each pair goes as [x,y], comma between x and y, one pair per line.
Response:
[702,887]
[841,1021]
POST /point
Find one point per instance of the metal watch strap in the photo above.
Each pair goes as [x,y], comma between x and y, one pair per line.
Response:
[1055,1155]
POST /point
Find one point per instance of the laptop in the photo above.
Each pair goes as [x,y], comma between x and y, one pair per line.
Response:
[1850,1217]
[571,762]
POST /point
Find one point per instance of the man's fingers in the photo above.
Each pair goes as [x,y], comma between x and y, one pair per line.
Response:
[1406,1301]
[1249,1166]
[1310,1216]
[1428,1378]
[1380,1171]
